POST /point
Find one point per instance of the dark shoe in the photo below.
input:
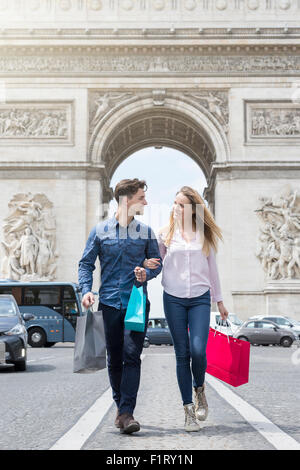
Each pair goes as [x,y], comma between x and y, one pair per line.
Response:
[117,420]
[128,424]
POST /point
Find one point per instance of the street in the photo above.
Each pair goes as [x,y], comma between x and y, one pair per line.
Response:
[50,407]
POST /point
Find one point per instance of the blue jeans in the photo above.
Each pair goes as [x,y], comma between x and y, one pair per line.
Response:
[188,320]
[124,349]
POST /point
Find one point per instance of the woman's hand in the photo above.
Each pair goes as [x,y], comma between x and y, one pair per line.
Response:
[151,263]
[223,311]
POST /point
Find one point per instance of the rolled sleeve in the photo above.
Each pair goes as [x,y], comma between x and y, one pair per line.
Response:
[152,251]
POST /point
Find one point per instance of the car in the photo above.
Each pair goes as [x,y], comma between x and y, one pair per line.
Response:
[158,331]
[282,322]
[265,332]
[228,326]
[13,334]
[146,342]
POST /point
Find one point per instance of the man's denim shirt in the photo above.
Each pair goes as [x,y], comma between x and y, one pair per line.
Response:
[120,250]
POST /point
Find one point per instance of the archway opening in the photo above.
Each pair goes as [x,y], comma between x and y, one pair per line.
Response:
[165,170]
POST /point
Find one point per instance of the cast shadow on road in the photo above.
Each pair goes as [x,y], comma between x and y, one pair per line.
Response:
[30,369]
[39,368]
[206,431]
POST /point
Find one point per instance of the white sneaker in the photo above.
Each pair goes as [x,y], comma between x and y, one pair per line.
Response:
[201,406]
[190,423]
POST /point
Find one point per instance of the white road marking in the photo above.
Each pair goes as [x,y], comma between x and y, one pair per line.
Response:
[41,359]
[75,438]
[272,433]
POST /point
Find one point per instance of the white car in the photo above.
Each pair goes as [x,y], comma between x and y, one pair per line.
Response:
[282,322]
[229,326]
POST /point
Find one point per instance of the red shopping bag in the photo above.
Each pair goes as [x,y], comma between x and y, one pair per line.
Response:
[227,358]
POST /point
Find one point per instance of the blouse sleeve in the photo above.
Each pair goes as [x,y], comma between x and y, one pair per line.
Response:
[214,277]
[162,247]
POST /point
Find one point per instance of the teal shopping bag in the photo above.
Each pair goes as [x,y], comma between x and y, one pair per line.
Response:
[136,310]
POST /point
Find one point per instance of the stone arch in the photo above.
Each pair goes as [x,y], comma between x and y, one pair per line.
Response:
[137,122]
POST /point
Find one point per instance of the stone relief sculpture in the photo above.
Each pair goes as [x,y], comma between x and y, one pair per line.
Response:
[279,239]
[29,244]
[217,104]
[272,122]
[103,103]
[93,61]
[33,123]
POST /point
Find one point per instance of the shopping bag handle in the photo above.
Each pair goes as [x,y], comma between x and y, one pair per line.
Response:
[90,308]
[135,282]
[223,333]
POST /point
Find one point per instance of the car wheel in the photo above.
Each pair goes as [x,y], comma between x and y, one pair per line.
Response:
[20,366]
[36,337]
[286,342]
[146,343]
[243,338]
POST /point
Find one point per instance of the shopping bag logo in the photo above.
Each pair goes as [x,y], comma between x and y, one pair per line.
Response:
[136,310]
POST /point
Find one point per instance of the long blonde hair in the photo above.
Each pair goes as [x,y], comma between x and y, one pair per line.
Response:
[211,230]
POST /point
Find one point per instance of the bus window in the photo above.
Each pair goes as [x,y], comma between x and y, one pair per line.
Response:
[6,290]
[42,295]
[15,291]
[69,293]
[71,312]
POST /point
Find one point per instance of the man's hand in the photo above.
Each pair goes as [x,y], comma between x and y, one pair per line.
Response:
[88,299]
[140,274]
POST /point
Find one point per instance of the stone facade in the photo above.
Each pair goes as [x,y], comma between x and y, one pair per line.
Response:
[83,84]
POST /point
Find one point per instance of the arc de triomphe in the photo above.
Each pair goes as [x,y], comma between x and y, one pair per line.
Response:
[85,83]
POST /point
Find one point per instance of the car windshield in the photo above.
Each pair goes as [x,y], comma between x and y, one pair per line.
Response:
[7,309]
[292,321]
[234,319]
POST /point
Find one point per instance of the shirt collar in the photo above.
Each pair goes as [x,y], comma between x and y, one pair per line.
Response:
[113,222]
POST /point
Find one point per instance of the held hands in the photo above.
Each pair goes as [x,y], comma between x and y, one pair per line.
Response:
[151,263]
[223,311]
[88,299]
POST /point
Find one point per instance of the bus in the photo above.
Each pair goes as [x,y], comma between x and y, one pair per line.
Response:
[55,305]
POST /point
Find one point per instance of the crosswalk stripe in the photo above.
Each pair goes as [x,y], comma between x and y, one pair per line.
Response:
[75,438]
[272,433]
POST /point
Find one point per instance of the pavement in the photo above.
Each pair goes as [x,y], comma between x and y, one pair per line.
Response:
[49,405]
[160,413]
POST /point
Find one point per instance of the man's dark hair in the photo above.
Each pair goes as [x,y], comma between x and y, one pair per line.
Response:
[129,188]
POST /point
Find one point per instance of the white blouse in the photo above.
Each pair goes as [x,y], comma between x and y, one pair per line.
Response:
[187,272]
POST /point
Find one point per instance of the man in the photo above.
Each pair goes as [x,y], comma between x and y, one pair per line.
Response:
[122,244]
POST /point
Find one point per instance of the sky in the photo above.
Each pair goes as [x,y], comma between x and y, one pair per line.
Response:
[165,170]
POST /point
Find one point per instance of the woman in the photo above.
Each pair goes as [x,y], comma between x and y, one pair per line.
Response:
[187,246]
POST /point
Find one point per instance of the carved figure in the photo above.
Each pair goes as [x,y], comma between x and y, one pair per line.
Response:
[279,239]
[29,245]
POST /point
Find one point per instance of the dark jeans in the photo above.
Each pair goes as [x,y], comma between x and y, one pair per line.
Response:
[188,320]
[124,348]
